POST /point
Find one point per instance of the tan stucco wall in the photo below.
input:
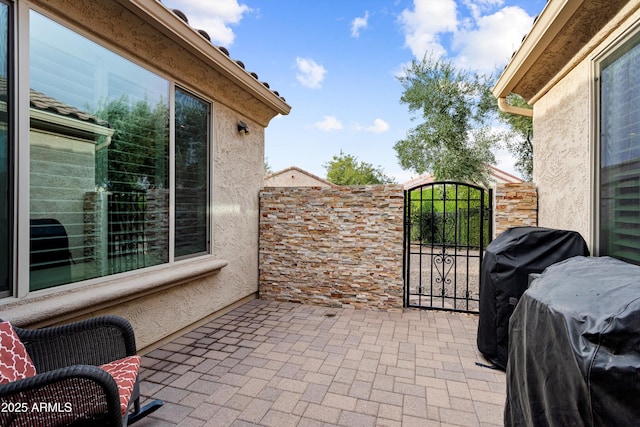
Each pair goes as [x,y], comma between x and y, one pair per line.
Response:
[238,167]
[564,127]
[562,154]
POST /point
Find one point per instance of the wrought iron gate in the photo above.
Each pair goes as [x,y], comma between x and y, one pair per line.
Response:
[447,227]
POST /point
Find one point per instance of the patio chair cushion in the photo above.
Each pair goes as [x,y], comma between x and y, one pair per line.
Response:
[15,363]
[124,372]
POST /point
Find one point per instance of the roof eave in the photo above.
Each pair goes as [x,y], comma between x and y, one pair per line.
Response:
[546,27]
[182,33]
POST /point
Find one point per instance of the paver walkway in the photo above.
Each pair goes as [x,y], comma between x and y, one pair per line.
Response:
[280,364]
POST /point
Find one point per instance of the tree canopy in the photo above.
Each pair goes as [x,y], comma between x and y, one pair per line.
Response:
[455,140]
[345,169]
[518,140]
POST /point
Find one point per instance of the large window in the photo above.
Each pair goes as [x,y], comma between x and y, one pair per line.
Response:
[6,198]
[192,174]
[619,228]
[100,162]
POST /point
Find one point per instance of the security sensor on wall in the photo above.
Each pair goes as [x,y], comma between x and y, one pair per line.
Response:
[242,127]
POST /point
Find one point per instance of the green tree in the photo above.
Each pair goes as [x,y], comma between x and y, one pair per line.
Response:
[455,141]
[138,156]
[344,169]
[267,167]
[518,140]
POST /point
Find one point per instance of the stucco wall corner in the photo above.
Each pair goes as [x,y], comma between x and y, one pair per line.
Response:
[562,154]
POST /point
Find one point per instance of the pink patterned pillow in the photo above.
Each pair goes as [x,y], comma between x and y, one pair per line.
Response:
[15,363]
[125,373]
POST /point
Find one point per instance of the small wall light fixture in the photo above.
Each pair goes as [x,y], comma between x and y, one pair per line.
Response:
[242,127]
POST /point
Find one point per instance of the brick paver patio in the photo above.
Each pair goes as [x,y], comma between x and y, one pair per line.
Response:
[280,364]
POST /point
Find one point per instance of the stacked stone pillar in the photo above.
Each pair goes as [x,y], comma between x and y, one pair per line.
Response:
[515,205]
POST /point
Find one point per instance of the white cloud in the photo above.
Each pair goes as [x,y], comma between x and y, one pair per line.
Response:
[493,39]
[483,41]
[328,124]
[478,7]
[310,74]
[379,126]
[401,70]
[215,17]
[425,22]
[358,24]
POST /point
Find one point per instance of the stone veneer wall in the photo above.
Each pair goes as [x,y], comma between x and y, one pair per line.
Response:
[515,205]
[335,247]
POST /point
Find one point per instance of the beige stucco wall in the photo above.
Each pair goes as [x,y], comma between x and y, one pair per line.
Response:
[238,167]
[564,127]
[562,153]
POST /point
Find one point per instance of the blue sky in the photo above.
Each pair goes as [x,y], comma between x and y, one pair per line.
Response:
[336,63]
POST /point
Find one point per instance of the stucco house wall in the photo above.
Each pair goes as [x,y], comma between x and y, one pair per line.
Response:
[554,71]
[562,153]
[163,301]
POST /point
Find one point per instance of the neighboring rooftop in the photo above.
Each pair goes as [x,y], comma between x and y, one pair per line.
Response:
[495,175]
[295,177]
[40,101]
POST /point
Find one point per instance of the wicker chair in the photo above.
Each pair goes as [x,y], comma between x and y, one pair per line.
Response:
[70,388]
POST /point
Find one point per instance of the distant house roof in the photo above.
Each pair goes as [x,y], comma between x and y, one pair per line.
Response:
[42,102]
[502,177]
[50,114]
[295,177]
[495,175]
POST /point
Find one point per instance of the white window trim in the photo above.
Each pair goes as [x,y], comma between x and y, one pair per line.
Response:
[22,175]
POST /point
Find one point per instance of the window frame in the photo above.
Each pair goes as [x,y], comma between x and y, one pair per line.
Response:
[172,174]
[599,61]
[19,267]
[11,151]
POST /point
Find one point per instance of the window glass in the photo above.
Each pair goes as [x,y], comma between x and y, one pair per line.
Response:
[620,154]
[192,175]
[99,139]
[6,205]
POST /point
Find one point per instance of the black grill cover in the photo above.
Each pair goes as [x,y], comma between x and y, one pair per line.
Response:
[574,349]
[507,263]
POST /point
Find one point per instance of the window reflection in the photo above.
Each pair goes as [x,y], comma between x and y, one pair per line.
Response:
[99,160]
[192,175]
[620,153]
